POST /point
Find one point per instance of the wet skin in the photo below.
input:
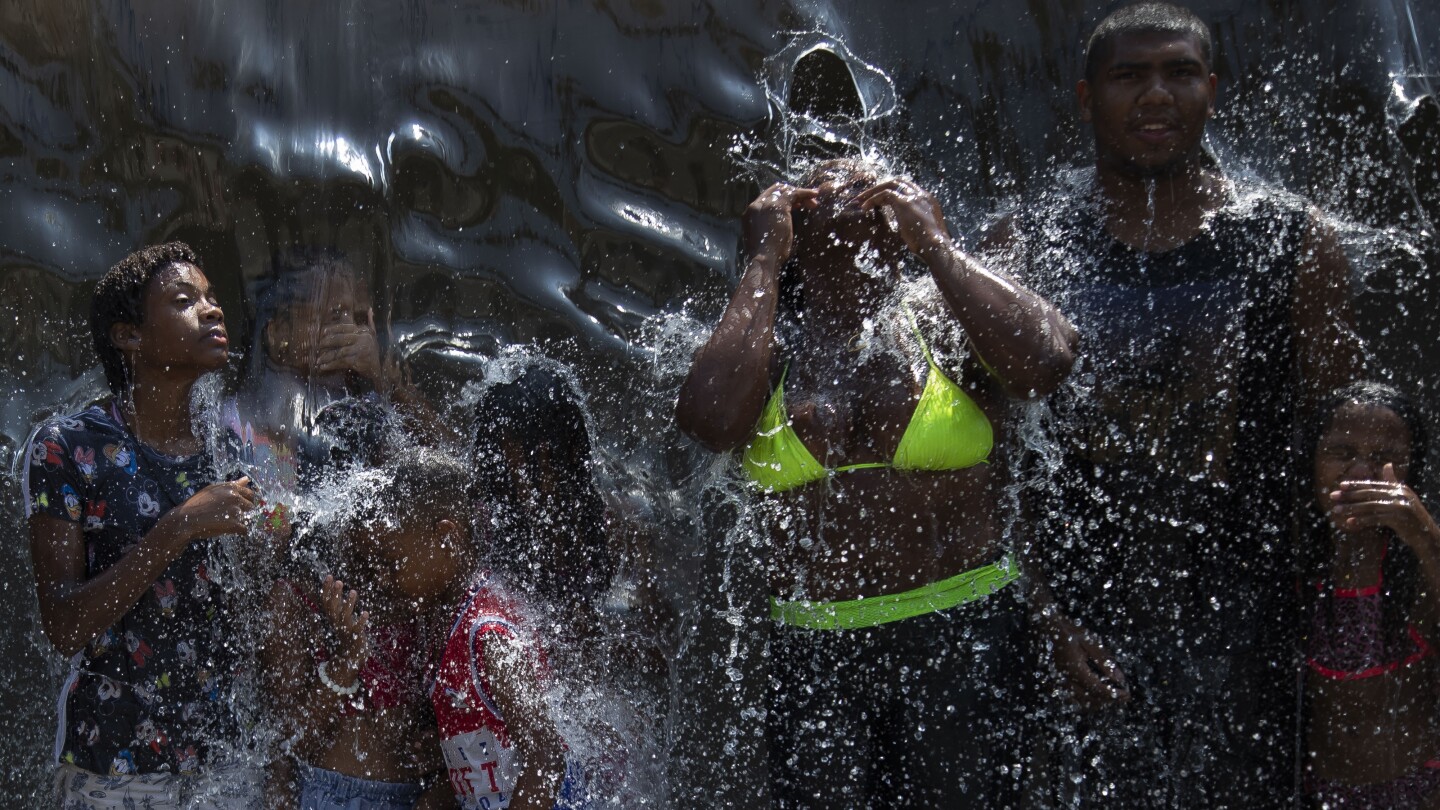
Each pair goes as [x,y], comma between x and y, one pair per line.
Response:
[867,532]
[184,329]
[883,532]
[1373,729]
[1148,103]
[181,338]
[1147,106]
[414,574]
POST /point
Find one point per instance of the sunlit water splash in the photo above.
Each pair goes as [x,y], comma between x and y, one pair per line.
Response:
[514,172]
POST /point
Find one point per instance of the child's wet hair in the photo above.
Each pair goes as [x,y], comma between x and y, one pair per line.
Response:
[419,488]
[1383,396]
[425,484]
[540,407]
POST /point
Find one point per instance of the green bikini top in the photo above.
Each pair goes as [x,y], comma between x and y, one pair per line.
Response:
[947,431]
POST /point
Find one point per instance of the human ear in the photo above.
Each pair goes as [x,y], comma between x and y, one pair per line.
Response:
[447,528]
[1082,94]
[1210,105]
[125,336]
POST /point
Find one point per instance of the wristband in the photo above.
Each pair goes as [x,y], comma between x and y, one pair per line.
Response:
[342,691]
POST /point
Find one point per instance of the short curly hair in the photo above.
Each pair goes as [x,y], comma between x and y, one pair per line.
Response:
[1146,18]
[120,298]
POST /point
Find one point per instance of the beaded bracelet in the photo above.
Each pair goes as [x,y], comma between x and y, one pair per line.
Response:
[342,691]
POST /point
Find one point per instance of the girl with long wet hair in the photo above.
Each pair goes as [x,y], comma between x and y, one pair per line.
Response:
[1373,593]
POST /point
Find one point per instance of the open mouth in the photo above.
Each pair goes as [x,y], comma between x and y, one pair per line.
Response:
[1155,131]
[218,335]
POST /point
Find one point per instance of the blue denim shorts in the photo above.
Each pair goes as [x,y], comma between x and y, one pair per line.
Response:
[327,790]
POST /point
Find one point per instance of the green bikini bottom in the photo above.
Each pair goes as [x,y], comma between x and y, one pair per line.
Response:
[854,614]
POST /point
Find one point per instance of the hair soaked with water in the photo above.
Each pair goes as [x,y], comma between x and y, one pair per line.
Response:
[540,410]
[1146,18]
[429,485]
[120,298]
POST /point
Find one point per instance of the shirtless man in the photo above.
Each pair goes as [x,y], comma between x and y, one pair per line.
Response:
[1212,314]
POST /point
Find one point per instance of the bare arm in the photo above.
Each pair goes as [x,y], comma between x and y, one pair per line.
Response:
[75,609]
[1323,312]
[1026,344]
[729,379]
[1085,670]
[307,710]
[510,672]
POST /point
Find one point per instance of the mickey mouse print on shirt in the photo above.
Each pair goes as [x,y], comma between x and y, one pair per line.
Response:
[163,662]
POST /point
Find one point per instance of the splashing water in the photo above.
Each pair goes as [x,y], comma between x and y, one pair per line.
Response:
[573,186]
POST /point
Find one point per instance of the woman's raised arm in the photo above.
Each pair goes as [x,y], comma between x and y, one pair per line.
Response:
[729,379]
[1025,343]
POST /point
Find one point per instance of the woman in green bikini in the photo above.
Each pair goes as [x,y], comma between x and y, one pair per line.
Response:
[866,405]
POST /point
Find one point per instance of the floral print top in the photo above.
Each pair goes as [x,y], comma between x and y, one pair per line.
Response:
[150,694]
